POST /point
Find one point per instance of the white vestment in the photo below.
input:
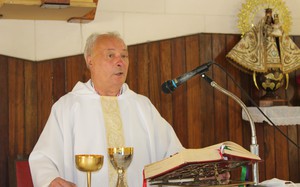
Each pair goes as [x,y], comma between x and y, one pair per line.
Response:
[76,126]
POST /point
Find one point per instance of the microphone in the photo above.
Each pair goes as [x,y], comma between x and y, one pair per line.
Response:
[170,85]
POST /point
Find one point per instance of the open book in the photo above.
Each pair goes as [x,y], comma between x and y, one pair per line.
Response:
[196,164]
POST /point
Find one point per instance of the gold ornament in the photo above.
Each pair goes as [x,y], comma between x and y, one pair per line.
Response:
[251,8]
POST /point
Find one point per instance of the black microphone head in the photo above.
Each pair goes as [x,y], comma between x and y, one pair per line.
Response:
[168,87]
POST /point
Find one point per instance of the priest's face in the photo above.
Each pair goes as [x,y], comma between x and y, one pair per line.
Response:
[108,64]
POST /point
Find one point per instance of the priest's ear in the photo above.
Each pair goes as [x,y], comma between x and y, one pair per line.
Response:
[89,62]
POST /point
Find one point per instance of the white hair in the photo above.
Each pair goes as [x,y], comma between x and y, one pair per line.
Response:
[91,40]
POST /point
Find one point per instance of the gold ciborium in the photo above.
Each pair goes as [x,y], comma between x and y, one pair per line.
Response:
[120,158]
[88,164]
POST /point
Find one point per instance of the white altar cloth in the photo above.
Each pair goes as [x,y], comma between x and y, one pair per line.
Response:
[278,183]
[280,115]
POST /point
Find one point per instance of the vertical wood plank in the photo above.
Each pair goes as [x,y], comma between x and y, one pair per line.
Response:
[75,71]
[16,132]
[235,125]
[45,91]
[281,152]
[153,74]
[293,154]
[166,74]
[194,125]
[207,94]
[4,123]
[59,78]
[132,70]
[179,96]
[143,70]
[16,106]
[220,99]
[31,135]
[269,138]
[234,109]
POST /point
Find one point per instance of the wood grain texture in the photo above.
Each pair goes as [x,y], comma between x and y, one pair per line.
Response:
[207,95]
[166,74]
[16,106]
[180,95]
[153,74]
[44,93]
[220,99]
[30,106]
[4,122]
[193,110]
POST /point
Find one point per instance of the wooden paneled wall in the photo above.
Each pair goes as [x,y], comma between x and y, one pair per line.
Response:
[200,115]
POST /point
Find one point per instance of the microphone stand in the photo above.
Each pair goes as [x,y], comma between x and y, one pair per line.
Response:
[254,146]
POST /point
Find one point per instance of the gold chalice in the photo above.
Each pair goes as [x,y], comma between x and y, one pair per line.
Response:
[89,163]
[120,158]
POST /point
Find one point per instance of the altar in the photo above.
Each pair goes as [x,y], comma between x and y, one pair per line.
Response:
[279,115]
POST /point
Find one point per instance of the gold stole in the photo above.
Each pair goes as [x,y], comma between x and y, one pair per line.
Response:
[114,131]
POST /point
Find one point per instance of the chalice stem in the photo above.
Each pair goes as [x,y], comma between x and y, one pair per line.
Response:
[121,182]
[89,179]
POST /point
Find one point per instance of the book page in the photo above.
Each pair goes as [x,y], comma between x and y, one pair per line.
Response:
[236,150]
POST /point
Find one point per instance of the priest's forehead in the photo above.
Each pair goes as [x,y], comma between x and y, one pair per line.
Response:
[110,41]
